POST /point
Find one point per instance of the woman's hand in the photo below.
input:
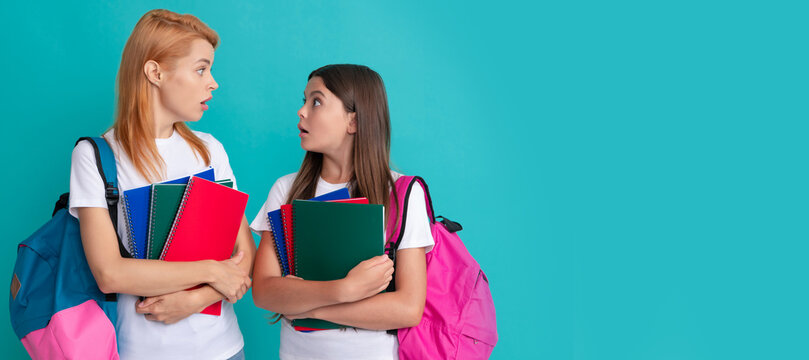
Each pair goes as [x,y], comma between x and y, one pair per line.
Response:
[368,278]
[170,308]
[229,279]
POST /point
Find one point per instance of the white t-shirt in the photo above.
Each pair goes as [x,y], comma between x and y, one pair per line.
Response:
[198,336]
[344,343]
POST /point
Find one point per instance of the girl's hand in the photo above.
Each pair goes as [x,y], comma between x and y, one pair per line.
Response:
[368,278]
[230,280]
[169,308]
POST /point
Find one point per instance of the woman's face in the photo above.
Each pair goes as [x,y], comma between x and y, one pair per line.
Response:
[188,85]
[325,126]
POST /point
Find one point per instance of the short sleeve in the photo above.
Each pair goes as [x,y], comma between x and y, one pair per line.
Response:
[220,161]
[274,201]
[86,186]
[417,231]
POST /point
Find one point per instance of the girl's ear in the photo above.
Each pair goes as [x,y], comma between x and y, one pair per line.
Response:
[352,123]
[152,70]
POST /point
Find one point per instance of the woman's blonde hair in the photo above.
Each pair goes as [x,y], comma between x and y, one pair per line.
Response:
[162,36]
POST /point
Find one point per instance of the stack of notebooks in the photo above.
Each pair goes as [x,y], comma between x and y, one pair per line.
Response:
[187,219]
[322,239]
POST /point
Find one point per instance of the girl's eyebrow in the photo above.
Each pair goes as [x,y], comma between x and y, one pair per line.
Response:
[315,92]
[204,60]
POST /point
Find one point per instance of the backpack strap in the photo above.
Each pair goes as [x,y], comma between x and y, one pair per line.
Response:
[397,221]
[105,160]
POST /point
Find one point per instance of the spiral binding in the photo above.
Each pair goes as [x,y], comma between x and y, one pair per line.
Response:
[294,248]
[177,219]
[284,267]
[289,235]
[129,231]
[152,219]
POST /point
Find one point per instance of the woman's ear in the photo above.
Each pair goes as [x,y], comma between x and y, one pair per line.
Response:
[152,70]
[352,123]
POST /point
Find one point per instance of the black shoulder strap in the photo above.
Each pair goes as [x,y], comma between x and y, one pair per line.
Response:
[105,160]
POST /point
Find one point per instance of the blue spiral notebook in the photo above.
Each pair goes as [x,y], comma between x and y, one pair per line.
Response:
[136,210]
[277,227]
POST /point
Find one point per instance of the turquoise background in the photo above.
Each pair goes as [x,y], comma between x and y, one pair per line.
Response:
[631,175]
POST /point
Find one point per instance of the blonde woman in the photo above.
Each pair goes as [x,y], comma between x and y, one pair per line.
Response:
[164,81]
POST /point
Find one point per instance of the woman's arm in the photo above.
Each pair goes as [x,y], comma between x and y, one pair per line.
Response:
[289,295]
[390,310]
[176,306]
[115,274]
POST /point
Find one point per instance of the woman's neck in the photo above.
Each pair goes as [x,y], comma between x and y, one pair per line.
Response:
[162,130]
[162,118]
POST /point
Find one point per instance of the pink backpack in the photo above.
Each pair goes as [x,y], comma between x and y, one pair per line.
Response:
[458,320]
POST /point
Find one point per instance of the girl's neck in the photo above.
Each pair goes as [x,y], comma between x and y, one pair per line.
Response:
[337,169]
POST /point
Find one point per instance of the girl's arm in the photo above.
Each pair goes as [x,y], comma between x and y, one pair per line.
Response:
[115,274]
[390,310]
[176,306]
[289,295]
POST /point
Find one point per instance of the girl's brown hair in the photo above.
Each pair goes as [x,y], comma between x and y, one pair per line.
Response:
[162,36]
[362,92]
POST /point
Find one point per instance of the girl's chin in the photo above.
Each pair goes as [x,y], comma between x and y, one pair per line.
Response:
[308,147]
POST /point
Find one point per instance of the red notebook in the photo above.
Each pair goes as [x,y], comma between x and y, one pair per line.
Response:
[206,226]
[360,200]
[286,220]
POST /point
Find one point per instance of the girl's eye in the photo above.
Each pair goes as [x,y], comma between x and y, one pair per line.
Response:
[200,71]
[304,100]
[316,102]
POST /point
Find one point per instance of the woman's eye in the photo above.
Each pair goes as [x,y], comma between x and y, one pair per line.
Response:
[316,102]
[200,71]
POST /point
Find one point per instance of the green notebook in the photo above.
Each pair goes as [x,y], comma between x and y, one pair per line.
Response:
[330,239]
[164,204]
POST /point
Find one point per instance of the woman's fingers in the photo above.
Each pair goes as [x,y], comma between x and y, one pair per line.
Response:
[238,258]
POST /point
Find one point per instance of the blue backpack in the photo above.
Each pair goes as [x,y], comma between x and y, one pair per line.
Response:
[56,308]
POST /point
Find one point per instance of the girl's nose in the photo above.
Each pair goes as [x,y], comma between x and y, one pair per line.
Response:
[302,112]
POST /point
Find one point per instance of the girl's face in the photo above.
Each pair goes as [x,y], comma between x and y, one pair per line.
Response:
[325,126]
[189,84]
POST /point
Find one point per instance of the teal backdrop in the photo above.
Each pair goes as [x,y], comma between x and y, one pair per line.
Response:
[631,175]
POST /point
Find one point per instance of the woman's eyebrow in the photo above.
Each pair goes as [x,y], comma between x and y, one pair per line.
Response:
[205,61]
